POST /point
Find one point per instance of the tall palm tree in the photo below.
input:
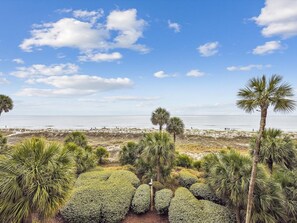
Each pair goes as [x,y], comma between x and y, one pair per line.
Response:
[36,178]
[6,104]
[276,149]
[260,94]
[160,117]
[158,152]
[176,127]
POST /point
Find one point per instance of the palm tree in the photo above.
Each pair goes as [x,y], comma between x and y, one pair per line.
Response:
[160,117]
[260,94]
[176,127]
[36,178]
[101,153]
[78,138]
[158,152]
[276,149]
[6,104]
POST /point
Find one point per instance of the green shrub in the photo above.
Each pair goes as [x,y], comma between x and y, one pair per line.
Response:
[142,199]
[101,196]
[158,186]
[197,164]
[185,208]
[204,192]
[129,153]
[186,179]
[101,153]
[79,138]
[162,200]
[184,160]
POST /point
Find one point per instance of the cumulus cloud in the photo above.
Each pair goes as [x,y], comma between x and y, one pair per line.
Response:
[122,30]
[91,16]
[75,85]
[162,74]
[268,48]
[18,61]
[174,26]
[208,49]
[37,70]
[101,57]
[248,67]
[195,73]
[278,17]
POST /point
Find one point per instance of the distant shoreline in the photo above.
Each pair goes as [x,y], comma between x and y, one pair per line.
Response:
[227,133]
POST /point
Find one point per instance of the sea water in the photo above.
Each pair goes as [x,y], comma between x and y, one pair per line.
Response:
[216,122]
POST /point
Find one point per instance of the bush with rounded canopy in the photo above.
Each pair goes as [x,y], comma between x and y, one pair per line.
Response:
[101,196]
[185,208]
[186,179]
[142,199]
[204,192]
[78,138]
[184,160]
[162,200]
[101,153]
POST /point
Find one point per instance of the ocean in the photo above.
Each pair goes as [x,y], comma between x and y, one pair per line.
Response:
[216,122]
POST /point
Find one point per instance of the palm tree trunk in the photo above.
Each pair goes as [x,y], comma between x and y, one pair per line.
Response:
[158,172]
[174,137]
[160,128]
[237,213]
[255,163]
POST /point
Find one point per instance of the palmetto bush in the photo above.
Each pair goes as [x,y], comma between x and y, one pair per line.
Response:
[35,178]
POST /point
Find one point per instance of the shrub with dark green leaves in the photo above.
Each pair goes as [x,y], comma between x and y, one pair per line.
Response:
[184,160]
[129,153]
[100,196]
[3,144]
[204,192]
[185,208]
[197,164]
[186,179]
[142,199]
[162,200]
[158,186]
[79,138]
[101,153]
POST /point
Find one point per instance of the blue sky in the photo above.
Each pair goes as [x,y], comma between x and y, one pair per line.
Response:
[108,57]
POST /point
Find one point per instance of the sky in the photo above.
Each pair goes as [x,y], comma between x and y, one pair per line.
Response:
[125,57]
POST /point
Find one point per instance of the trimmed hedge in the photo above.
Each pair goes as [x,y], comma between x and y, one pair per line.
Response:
[186,179]
[142,199]
[185,208]
[100,196]
[203,191]
[162,200]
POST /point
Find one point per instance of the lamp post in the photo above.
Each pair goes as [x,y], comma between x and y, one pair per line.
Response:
[152,194]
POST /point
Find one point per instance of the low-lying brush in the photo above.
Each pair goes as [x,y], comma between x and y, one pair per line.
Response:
[186,179]
[162,200]
[204,192]
[185,208]
[142,199]
[101,196]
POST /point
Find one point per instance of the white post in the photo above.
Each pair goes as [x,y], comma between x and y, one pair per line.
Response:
[152,194]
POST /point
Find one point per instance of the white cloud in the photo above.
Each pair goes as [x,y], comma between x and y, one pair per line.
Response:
[175,26]
[100,57]
[91,16]
[162,74]
[248,67]
[18,61]
[130,29]
[37,70]
[208,49]
[75,85]
[122,30]
[129,98]
[195,73]
[268,48]
[3,80]
[278,17]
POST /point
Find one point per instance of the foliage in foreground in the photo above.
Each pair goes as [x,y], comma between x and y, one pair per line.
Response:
[186,179]
[101,196]
[228,175]
[185,208]
[35,178]
[162,200]
[142,199]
